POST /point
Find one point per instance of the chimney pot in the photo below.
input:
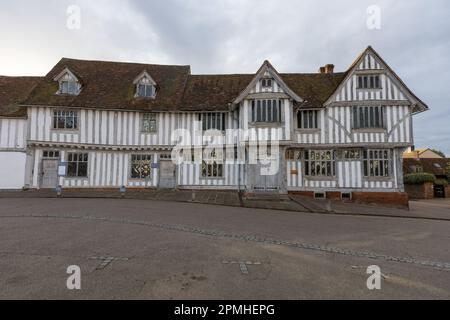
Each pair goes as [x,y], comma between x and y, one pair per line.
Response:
[328,69]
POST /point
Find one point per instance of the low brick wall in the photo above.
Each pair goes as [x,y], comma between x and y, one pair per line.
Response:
[420,191]
[386,198]
[396,199]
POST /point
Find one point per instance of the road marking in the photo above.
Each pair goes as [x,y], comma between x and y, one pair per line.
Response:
[243,265]
[248,238]
[106,261]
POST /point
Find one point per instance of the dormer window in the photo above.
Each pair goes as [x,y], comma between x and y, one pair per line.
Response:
[146,90]
[68,87]
[68,83]
[145,86]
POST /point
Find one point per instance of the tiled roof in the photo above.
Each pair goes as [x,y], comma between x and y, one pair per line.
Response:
[109,85]
[12,91]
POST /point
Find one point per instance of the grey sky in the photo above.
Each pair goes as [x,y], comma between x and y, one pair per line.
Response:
[236,36]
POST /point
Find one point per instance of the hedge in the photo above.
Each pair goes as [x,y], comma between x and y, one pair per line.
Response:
[419,178]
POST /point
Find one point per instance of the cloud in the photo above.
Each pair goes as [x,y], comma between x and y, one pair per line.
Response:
[231,36]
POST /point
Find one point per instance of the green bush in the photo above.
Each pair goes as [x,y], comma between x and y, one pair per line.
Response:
[419,178]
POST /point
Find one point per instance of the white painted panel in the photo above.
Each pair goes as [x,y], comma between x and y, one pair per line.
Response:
[12,170]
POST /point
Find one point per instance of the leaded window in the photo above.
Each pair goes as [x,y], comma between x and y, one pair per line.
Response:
[352,154]
[148,124]
[141,166]
[212,165]
[320,163]
[376,163]
[65,120]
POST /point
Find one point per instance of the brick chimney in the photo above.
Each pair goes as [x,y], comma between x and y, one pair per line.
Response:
[328,69]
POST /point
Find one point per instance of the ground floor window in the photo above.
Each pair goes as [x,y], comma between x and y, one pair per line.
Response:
[352,154]
[320,163]
[50,154]
[77,165]
[212,165]
[141,166]
[376,163]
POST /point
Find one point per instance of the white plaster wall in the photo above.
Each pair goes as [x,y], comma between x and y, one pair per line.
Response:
[12,170]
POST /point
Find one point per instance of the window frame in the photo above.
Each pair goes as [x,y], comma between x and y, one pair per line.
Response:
[146,87]
[149,116]
[68,87]
[77,161]
[328,164]
[369,118]
[265,83]
[211,165]
[142,157]
[65,113]
[301,120]
[263,111]
[51,154]
[207,121]
[369,82]
[384,159]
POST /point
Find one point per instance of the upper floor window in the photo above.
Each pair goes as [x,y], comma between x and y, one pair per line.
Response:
[308,119]
[376,163]
[368,117]
[149,123]
[320,163]
[213,121]
[68,87]
[146,90]
[266,111]
[369,82]
[145,86]
[266,83]
[65,120]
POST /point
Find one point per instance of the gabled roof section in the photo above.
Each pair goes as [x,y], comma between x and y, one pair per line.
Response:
[109,85]
[263,70]
[65,72]
[144,74]
[13,90]
[419,105]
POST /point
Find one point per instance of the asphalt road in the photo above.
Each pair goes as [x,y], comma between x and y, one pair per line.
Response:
[187,251]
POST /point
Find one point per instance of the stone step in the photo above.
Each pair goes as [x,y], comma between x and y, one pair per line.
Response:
[266,196]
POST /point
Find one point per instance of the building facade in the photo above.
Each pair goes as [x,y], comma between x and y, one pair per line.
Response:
[92,124]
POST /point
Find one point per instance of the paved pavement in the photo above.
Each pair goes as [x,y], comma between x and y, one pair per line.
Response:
[134,249]
[293,203]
